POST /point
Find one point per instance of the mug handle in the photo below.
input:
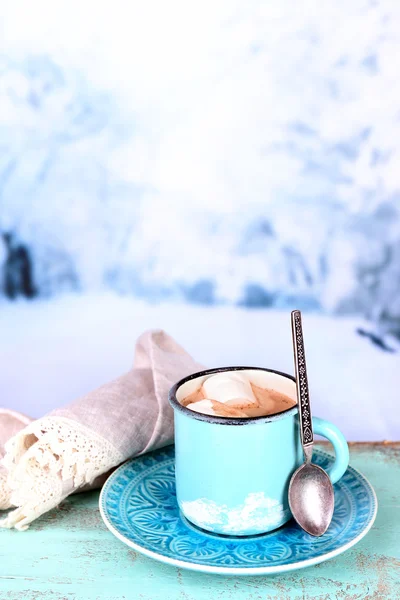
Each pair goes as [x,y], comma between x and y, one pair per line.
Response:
[337,439]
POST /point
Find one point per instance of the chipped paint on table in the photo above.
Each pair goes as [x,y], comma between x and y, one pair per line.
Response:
[70,555]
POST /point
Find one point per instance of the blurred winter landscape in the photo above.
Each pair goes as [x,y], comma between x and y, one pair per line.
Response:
[206,168]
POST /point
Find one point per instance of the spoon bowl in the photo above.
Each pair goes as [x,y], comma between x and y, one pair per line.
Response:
[311,498]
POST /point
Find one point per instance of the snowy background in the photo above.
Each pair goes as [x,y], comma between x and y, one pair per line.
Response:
[205,168]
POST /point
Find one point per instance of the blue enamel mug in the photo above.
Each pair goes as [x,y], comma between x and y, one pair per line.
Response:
[232,474]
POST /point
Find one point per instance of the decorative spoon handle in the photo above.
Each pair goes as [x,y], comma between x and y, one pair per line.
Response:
[303,398]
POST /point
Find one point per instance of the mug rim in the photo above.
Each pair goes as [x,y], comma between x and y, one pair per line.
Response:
[228,420]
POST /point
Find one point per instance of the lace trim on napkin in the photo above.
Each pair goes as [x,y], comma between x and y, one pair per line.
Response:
[47,461]
[5,492]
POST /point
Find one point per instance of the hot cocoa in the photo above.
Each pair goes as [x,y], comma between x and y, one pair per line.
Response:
[232,394]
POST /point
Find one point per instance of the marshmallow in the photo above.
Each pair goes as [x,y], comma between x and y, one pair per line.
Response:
[202,406]
[229,387]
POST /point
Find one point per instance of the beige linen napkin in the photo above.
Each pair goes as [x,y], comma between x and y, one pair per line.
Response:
[71,447]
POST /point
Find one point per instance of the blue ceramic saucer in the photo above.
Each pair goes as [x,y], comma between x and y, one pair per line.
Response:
[138,505]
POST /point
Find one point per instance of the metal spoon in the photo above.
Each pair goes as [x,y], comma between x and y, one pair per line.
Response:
[311,497]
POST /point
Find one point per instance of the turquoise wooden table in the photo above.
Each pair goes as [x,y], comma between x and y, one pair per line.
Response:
[70,555]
